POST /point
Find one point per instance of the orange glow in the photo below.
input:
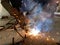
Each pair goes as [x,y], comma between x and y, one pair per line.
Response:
[47,39]
[19,21]
[15,14]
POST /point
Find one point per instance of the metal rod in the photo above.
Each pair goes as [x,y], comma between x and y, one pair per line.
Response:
[13,41]
[17,31]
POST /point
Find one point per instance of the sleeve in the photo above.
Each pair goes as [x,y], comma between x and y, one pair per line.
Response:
[6,5]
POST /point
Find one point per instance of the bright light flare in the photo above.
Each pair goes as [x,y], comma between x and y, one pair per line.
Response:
[34,32]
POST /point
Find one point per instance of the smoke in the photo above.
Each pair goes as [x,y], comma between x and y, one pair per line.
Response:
[39,19]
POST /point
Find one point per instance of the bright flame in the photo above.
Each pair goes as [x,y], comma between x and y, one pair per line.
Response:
[34,32]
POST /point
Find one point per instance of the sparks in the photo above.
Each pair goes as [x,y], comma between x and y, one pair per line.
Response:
[34,32]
